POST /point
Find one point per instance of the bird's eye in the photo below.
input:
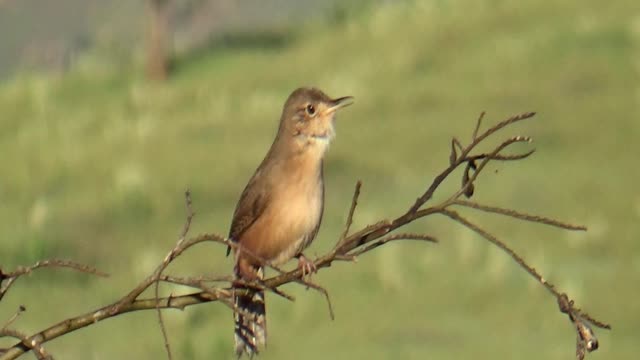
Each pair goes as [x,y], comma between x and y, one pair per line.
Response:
[311,110]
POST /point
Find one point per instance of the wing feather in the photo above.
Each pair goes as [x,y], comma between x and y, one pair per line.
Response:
[251,206]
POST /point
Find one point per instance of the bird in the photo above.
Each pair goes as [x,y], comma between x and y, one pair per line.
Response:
[280,209]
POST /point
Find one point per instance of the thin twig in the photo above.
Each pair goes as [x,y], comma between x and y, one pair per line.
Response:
[348,246]
[595,322]
[428,194]
[8,278]
[501,157]
[453,156]
[502,246]
[404,236]
[326,296]
[502,124]
[478,123]
[194,281]
[24,270]
[457,142]
[165,263]
[484,162]
[352,209]
[520,215]
[549,286]
[13,318]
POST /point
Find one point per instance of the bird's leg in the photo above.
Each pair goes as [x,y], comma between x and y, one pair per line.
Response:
[307,266]
[246,271]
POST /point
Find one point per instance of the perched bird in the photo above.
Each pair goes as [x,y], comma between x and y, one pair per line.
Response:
[280,209]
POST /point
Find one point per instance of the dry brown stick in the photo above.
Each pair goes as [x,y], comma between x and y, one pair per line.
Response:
[464,158]
[261,286]
[174,253]
[478,124]
[355,241]
[171,302]
[502,157]
[502,246]
[511,120]
[13,317]
[366,234]
[568,307]
[198,283]
[428,194]
[163,266]
[8,278]
[453,155]
[352,209]
[519,215]
[32,345]
[122,306]
[372,232]
[301,280]
[115,309]
[484,163]
[24,270]
[595,322]
[193,282]
[456,142]
[326,297]
[188,281]
[404,236]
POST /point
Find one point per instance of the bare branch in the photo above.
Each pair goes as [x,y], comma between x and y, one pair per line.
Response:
[428,194]
[494,240]
[453,156]
[503,157]
[7,279]
[352,209]
[478,123]
[347,248]
[22,270]
[13,318]
[174,253]
[502,124]
[405,236]
[165,263]
[194,281]
[30,344]
[457,143]
[478,169]
[520,215]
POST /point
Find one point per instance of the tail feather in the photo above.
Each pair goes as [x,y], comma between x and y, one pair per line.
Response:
[250,321]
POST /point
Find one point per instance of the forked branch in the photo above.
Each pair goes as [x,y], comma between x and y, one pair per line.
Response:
[348,246]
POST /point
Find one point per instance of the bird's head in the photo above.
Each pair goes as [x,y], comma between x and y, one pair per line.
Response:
[307,119]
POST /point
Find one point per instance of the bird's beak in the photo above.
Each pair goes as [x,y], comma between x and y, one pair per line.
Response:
[339,103]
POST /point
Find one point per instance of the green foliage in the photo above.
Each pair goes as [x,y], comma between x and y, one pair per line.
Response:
[95,163]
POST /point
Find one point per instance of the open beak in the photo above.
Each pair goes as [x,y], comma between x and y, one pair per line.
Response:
[340,103]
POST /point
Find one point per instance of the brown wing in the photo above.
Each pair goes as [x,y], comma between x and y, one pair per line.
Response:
[252,203]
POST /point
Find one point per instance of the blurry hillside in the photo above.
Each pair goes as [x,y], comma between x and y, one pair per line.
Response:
[94,160]
[48,36]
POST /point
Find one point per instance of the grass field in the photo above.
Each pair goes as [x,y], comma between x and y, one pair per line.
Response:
[94,164]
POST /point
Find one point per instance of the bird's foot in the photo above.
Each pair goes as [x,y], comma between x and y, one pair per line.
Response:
[307,266]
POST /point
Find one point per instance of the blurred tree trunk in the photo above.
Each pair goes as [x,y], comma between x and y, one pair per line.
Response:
[158,39]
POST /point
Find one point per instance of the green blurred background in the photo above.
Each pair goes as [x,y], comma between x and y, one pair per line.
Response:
[95,159]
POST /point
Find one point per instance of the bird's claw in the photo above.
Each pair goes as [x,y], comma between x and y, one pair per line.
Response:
[307,266]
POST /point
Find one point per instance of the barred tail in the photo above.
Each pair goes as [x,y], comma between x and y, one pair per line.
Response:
[250,321]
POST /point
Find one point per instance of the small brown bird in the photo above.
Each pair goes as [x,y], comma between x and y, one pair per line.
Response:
[281,207]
